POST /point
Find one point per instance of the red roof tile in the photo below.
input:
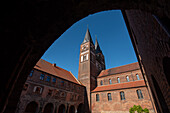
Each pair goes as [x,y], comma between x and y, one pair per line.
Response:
[47,67]
[120,86]
[120,69]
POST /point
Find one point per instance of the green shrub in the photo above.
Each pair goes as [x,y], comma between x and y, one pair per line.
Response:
[138,109]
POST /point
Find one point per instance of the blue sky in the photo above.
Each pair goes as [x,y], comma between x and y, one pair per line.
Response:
[112,35]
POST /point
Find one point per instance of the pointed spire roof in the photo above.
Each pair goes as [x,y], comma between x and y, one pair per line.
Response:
[97,47]
[87,37]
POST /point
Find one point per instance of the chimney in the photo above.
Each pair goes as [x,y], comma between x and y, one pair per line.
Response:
[54,64]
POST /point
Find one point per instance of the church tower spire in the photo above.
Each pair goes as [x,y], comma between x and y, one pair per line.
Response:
[97,47]
[87,37]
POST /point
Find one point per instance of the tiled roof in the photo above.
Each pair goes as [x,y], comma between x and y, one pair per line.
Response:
[47,67]
[120,69]
[132,84]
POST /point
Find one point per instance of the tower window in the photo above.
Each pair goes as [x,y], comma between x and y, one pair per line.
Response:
[42,77]
[109,96]
[110,81]
[84,57]
[122,95]
[137,76]
[139,93]
[118,80]
[97,97]
[48,79]
[31,73]
[101,82]
[127,78]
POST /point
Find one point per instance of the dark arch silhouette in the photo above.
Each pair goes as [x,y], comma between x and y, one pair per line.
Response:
[25,33]
[72,109]
[32,107]
[48,108]
[80,108]
[166,67]
[160,96]
[61,108]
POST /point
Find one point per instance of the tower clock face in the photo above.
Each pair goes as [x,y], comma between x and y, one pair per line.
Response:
[84,47]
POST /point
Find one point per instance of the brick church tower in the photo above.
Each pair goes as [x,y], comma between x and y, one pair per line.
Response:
[91,63]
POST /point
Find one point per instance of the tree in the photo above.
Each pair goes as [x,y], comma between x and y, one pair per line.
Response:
[138,109]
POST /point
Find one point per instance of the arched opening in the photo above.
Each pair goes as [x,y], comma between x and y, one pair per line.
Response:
[72,109]
[61,108]
[32,107]
[166,66]
[80,108]
[160,97]
[43,23]
[48,108]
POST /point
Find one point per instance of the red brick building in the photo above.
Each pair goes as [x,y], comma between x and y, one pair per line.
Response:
[119,89]
[51,89]
[113,90]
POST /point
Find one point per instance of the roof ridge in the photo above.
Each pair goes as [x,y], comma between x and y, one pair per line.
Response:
[75,78]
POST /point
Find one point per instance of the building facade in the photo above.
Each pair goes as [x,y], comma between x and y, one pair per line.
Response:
[51,89]
[113,90]
[119,89]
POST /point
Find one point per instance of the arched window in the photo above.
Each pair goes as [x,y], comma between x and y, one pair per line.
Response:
[110,81]
[118,80]
[139,93]
[97,97]
[122,95]
[127,78]
[109,96]
[101,82]
[137,76]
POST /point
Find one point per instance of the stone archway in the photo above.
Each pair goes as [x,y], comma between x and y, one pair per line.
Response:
[32,26]
[48,108]
[80,108]
[62,109]
[32,107]
[72,109]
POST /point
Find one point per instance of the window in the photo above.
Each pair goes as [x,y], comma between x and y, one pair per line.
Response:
[97,97]
[109,96]
[118,80]
[101,82]
[31,73]
[49,92]
[25,87]
[137,76]
[84,57]
[37,90]
[54,80]
[48,79]
[42,77]
[110,81]
[62,83]
[127,78]
[122,95]
[139,93]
